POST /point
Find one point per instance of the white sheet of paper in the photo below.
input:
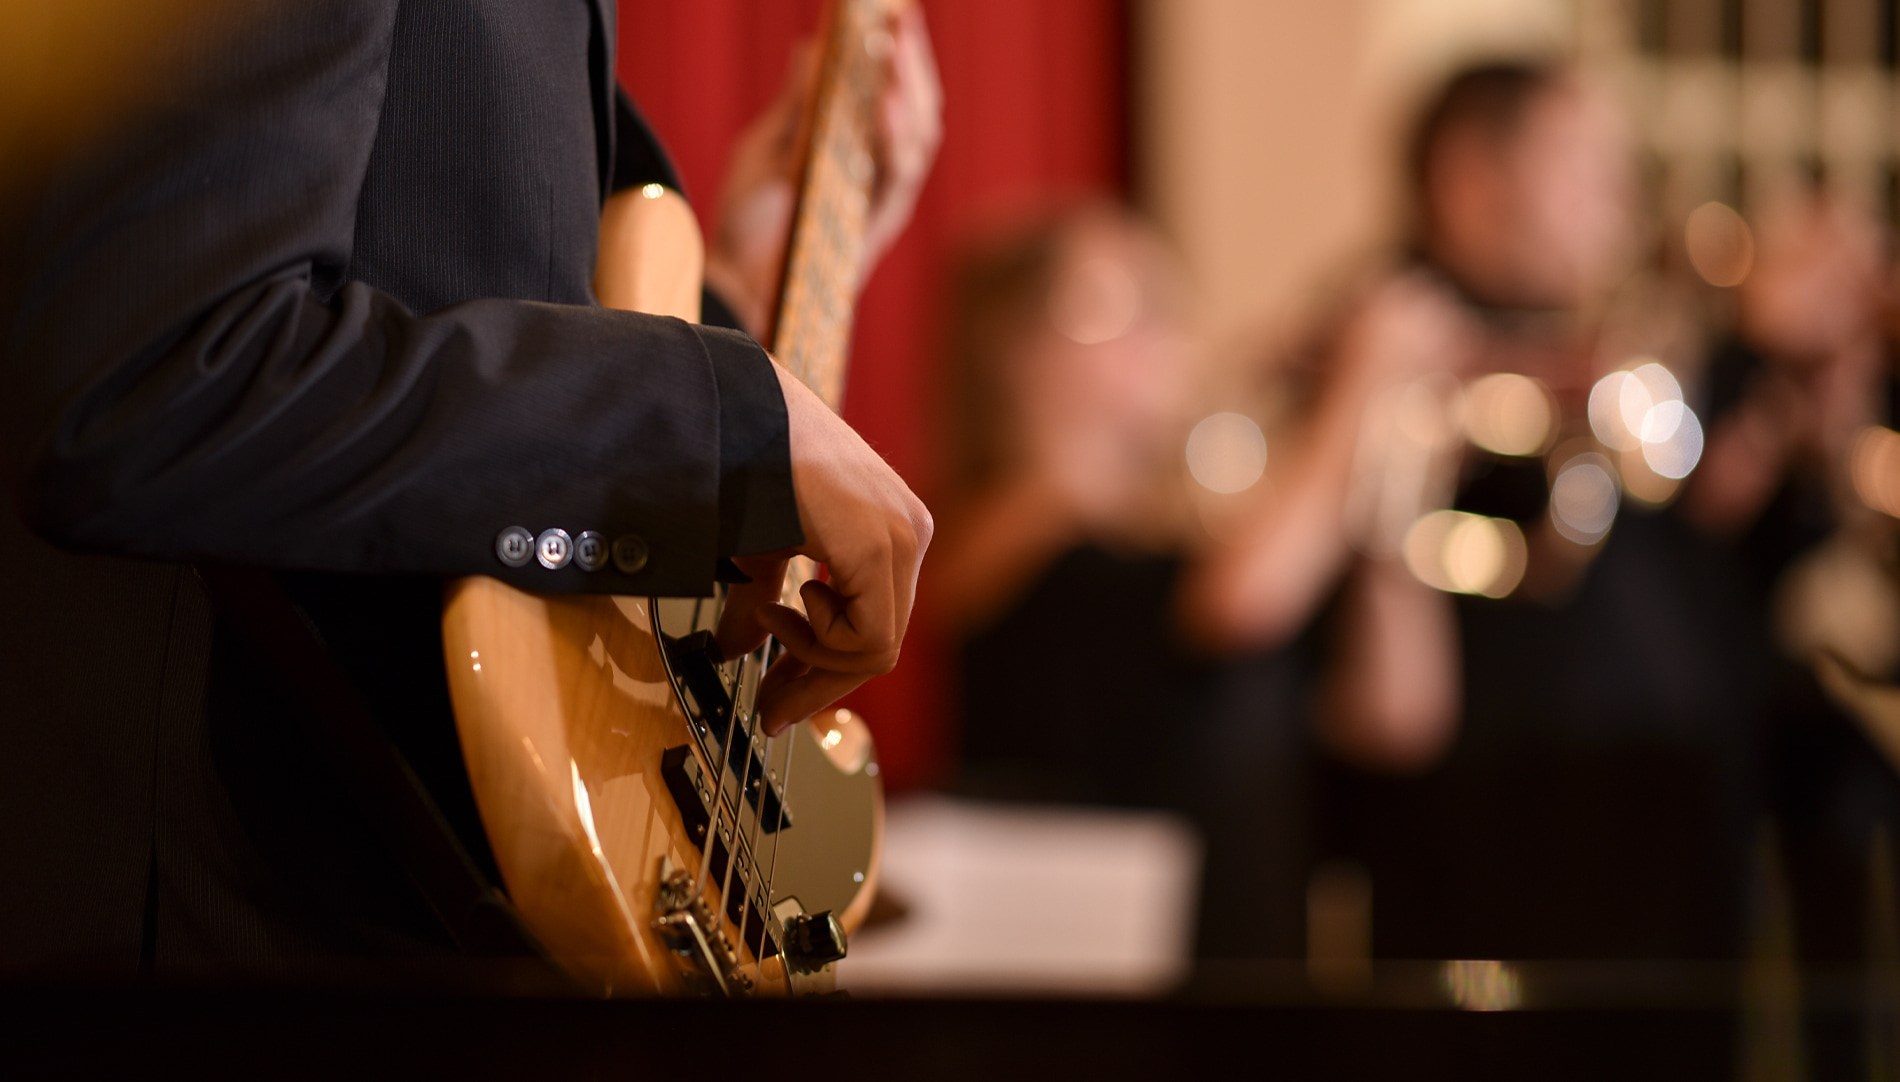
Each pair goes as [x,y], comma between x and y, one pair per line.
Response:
[1030,899]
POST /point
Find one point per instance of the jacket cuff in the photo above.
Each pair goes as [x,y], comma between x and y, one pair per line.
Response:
[758,509]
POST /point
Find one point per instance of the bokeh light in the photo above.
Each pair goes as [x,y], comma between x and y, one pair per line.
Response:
[1226,452]
[1672,439]
[1509,414]
[1607,416]
[1584,498]
[1642,410]
[1647,386]
[1463,553]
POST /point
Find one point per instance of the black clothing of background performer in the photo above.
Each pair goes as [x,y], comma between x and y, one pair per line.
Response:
[1222,741]
[325,308]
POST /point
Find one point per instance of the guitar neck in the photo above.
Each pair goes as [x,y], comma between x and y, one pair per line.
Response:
[812,330]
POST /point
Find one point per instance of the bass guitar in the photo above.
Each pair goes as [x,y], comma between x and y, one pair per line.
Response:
[653,839]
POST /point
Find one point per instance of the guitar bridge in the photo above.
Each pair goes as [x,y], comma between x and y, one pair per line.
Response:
[731,800]
[708,961]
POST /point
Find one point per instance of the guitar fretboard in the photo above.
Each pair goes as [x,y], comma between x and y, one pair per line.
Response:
[812,332]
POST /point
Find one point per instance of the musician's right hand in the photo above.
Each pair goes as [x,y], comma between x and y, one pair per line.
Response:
[869,531]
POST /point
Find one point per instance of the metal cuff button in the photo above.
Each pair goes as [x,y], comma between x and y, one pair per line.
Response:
[630,553]
[554,548]
[514,546]
[590,550]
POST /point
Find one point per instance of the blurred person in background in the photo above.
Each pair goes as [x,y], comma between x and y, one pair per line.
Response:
[1803,373]
[1071,385]
[1064,525]
[1799,477]
[1540,685]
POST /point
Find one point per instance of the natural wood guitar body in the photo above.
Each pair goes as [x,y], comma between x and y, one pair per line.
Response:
[566,711]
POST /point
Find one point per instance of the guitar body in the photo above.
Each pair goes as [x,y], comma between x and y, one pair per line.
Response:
[595,781]
[566,713]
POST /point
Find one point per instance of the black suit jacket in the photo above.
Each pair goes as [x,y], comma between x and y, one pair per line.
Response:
[325,307]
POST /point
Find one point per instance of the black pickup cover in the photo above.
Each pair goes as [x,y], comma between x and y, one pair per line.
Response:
[695,660]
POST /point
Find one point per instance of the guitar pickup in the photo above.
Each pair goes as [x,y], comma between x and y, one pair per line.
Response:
[692,791]
[694,660]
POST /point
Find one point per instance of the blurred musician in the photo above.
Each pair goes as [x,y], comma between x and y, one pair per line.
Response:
[1063,531]
[1800,475]
[1542,683]
[1070,387]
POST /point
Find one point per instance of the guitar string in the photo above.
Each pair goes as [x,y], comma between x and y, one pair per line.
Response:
[800,333]
[718,814]
[712,826]
[719,798]
[752,847]
[733,852]
[764,654]
[733,849]
[771,877]
[693,725]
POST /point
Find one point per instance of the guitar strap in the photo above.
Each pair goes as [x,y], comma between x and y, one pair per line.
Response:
[477,916]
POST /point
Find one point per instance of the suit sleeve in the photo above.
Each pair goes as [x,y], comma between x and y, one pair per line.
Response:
[192,375]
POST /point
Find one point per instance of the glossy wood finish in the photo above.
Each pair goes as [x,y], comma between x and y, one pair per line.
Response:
[564,710]
[652,258]
[565,768]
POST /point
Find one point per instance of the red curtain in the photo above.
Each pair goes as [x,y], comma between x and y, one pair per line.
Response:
[1034,110]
